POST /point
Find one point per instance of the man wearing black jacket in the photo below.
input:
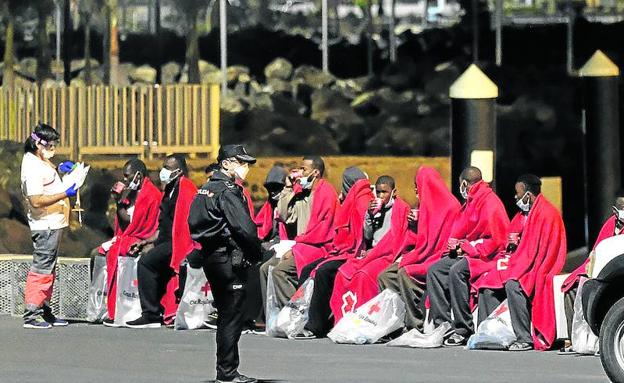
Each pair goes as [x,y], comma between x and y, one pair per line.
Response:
[220,221]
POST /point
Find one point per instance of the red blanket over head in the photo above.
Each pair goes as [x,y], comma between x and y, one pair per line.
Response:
[182,243]
[482,221]
[349,224]
[438,210]
[315,242]
[607,231]
[356,281]
[540,256]
[143,225]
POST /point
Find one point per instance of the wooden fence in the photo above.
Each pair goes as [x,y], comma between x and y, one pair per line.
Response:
[103,120]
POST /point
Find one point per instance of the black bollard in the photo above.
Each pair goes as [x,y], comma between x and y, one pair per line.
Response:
[602,139]
[473,125]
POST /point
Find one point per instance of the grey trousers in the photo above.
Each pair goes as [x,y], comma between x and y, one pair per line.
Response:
[46,244]
[284,278]
[410,291]
[519,308]
[449,291]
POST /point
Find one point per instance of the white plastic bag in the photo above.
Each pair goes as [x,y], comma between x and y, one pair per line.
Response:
[584,341]
[370,322]
[96,306]
[495,332]
[128,305]
[272,309]
[417,339]
[197,301]
[294,316]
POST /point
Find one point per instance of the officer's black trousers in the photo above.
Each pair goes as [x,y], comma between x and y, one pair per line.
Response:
[519,308]
[228,289]
[449,290]
[320,312]
[153,274]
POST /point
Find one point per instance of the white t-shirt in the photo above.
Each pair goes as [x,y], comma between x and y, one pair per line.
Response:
[40,178]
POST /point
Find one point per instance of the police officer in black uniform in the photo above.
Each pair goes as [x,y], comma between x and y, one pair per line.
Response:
[219,220]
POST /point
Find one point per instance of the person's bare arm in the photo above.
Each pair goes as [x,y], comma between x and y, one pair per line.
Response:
[40,201]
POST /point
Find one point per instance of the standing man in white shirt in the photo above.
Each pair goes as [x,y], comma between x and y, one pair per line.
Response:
[47,202]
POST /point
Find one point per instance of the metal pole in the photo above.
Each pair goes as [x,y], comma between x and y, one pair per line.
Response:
[57,4]
[67,43]
[393,47]
[570,39]
[223,45]
[499,32]
[475,30]
[324,36]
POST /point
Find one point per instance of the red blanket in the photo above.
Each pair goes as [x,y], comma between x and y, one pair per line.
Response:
[265,219]
[607,231]
[349,224]
[315,242]
[143,225]
[248,199]
[356,281]
[483,221]
[540,256]
[182,243]
[438,210]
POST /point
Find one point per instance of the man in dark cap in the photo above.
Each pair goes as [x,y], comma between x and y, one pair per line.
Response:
[220,221]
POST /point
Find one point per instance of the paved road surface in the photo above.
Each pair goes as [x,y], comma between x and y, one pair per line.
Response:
[89,353]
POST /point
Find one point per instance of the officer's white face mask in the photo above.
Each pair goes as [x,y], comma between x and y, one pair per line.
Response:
[242,170]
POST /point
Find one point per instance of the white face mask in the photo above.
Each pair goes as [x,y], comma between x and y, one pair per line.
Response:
[463,190]
[524,206]
[619,214]
[134,184]
[166,177]
[390,201]
[47,154]
[242,171]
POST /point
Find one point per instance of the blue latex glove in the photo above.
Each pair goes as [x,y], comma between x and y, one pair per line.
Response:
[71,191]
[66,166]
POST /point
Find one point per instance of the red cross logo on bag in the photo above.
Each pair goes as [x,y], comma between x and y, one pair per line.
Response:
[298,294]
[349,300]
[500,310]
[135,283]
[206,289]
[374,309]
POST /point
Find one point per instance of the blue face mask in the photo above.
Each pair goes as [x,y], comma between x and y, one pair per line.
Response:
[306,182]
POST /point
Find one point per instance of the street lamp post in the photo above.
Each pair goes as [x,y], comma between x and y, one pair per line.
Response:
[324,36]
[223,45]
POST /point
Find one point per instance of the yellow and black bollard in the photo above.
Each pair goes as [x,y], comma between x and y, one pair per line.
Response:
[602,138]
[473,125]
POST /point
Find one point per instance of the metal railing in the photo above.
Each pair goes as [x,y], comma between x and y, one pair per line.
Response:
[103,120]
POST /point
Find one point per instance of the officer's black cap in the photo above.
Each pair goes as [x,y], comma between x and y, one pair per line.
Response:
[235,151]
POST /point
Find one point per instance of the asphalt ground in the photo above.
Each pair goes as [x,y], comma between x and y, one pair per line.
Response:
[93,353]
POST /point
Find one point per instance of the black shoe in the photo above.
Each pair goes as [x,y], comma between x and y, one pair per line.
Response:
[456,340]
[211,322]
[110,323]
[144,322]
[239,379]
[54,321]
